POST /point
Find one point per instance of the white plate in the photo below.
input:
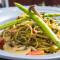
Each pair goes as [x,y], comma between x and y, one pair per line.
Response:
[9,14]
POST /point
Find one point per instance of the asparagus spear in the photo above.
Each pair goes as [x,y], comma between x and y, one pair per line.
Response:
[41,23]
[12,23]
[51,15]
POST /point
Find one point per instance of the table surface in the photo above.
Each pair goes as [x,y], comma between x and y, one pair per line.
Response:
[13,12]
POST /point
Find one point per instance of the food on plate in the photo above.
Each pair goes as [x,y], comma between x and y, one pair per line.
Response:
[32,33]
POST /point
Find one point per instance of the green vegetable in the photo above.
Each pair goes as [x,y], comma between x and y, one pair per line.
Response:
[51,15]
[41,23]
[12,23]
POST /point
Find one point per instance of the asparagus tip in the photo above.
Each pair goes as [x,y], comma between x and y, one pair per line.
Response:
[15,3]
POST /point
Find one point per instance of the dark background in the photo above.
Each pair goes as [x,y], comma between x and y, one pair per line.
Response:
[38,2]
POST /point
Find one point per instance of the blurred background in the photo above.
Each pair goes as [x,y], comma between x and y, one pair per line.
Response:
[8,3]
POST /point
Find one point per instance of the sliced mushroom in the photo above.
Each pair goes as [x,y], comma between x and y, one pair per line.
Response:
[21,48]
[23,52]
[58,23]
[34,10]
[8,48]
[58,51]
[7,39]
[54,47]
[32,48]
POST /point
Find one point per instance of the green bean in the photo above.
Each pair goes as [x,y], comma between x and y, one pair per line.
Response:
[51,15]
[11,23]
